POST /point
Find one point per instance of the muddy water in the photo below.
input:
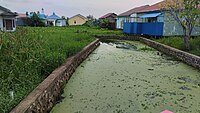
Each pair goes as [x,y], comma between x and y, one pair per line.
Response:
[129,77]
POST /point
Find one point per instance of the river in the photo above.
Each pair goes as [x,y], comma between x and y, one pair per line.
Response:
[130,77]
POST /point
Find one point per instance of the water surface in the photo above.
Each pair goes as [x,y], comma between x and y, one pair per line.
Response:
[130,77]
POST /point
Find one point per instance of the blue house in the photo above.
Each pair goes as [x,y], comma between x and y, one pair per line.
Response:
[156,23]
[42,16]
[55,20]
[128,16]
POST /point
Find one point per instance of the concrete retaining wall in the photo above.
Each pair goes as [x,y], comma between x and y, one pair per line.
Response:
[188,58]
[44,97]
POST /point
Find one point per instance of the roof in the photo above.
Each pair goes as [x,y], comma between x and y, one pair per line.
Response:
[134,10]
[21,15]
[53,16]
[108,15]
[7,12]
[41,16]
[150,15]
[79,15]
[155,7]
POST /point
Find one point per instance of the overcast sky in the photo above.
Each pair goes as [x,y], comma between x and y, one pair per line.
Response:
[70,8]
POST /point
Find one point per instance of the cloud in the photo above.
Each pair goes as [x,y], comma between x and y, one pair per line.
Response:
[69,8]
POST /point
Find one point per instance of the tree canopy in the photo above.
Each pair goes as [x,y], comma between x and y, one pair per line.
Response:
[186,13]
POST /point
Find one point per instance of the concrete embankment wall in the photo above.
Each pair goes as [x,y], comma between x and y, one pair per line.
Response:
[44,97]
[188,58]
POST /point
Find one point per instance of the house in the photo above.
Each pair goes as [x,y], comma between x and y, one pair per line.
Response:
[111,17]
[55,20]
[7,19]
[77,20]
[111,20]
[42,16]
[22,19]
[156,22]
[128,16]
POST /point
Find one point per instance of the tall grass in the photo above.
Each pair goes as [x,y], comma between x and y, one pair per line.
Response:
[177,42]
[29,55]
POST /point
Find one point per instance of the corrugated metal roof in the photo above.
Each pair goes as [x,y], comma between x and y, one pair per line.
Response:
[21,15]
[53,16]
[107,15]
[155,7]
[134,10]
[42,16]
[150,15]
[79,15]
[7,12]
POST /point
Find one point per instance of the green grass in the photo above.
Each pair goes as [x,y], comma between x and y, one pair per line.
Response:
[177,42]
[29,55]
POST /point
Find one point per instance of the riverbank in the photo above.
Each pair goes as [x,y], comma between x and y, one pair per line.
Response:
[30,54]
[177,42]
[128,76]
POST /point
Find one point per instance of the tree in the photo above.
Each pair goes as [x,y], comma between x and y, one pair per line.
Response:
[186,13]
[90,18]
[35,21]
[91,21]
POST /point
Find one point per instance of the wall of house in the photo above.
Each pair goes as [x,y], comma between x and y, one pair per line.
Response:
[121,20]
[1,23]
[119,23]
[1,11]
[61,23]
[173,28]
[10,18]
[78,20]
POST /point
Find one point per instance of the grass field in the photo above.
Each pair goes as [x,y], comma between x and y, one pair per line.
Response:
[29,55]
[177,42]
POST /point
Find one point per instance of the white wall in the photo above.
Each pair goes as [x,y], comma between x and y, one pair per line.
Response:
[1,23]
[61,23]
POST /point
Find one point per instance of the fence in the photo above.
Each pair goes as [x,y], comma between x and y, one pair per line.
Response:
[152,29]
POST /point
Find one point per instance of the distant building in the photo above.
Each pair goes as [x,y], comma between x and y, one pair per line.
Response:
[22,19]
[55,20]
[111,18]
[42,16]
[129,16]
[153,21]
[77,20]
[7,19]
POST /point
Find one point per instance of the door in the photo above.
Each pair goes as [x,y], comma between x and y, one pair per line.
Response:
[9,25]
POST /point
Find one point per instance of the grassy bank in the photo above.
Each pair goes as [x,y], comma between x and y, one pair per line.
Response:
[177,42]
[29,55]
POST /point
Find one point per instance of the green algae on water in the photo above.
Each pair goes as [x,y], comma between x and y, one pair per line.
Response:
[121,80]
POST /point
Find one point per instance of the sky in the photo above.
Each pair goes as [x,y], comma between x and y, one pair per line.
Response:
[69,8]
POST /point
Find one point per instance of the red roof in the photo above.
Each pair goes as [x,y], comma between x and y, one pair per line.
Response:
[134,10]
[154,7]
[21,15]
[108,15]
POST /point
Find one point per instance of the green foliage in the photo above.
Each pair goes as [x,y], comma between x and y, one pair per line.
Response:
[92,22]
[35,21]
[186,13]
[30,54]
[177,42]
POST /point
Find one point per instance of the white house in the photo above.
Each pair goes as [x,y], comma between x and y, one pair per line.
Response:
[55,20]
[7,20]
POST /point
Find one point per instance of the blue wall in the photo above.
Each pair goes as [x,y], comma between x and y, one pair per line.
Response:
[153,29]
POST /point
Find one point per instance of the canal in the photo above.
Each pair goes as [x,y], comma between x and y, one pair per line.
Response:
[130,77]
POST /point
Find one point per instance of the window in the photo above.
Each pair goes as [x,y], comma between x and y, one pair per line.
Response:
[4,23]
[14,23]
